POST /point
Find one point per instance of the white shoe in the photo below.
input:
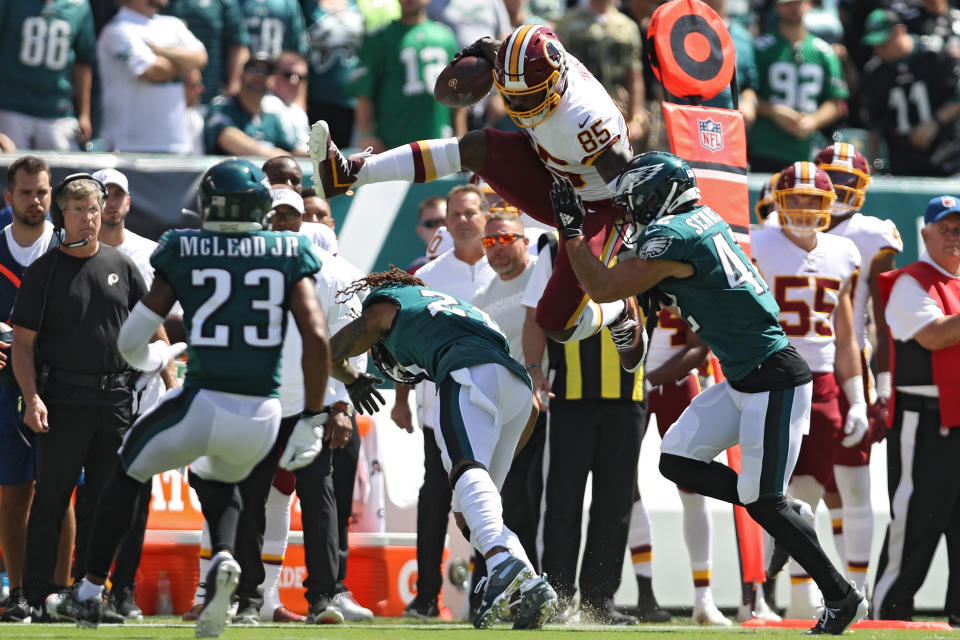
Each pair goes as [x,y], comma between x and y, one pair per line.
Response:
[805,604]
[351,609]
[222,581]
[761,611]
[706,613]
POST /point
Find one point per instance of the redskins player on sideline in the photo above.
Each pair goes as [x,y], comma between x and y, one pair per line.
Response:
[879,243]
[570,128]
[812,276]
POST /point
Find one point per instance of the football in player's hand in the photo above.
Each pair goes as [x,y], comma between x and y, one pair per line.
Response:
[463,83]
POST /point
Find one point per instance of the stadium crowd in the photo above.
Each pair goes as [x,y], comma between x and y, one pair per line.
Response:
[838,349]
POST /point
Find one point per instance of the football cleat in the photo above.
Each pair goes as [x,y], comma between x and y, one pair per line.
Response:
[421,610]
[222,580]
[282,614]
[503,581]
[333,174]
[64,606]
[537,605]
[706,613]
[839,615]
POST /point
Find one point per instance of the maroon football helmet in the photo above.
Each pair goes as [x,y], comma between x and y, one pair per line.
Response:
[849,172]
[531,74]
[804,179]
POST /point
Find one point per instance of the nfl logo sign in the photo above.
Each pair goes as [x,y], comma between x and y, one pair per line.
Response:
[711,134]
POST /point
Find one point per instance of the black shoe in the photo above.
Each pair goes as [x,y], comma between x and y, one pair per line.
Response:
[840,614]
[648,610]
[247,615]
[124,604]
[110,613]
[421,610]
[607,613]
[953,620]
[18,609]
[323,611]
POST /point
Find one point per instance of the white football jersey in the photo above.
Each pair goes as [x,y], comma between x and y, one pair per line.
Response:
[807,287]
[587,122]
[872,237]
[669,336]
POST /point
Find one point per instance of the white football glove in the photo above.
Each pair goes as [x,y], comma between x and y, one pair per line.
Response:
[305,442]
[856,425]
[164,353]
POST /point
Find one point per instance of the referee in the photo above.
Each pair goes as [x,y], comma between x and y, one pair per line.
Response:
[594,426]
[922,302]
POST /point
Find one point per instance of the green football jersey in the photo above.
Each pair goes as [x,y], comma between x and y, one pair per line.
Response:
[235,293]
[219,25]
[226,112]
[398,68]
[802,79]
[726,302]
[275,26]
[436,333]
[40,40]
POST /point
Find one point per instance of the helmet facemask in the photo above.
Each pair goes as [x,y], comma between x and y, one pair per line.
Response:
[850,187]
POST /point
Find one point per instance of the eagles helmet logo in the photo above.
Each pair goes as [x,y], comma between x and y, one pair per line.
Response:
[654,248]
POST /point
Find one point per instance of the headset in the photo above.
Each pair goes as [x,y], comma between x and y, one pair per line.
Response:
[56,213]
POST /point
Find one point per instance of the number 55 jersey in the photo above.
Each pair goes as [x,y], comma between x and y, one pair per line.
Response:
[725,301]
[806,286]
[235,292]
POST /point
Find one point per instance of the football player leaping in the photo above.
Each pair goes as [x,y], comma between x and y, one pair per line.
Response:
[570,128]
[879,243]
[687,251]
[813,276]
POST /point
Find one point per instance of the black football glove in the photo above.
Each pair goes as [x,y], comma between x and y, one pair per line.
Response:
[474,50]
[364,395]
[567,209]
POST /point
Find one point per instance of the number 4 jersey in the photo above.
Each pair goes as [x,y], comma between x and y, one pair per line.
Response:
[807,285]
[235,293]
[725,301]
[435,333]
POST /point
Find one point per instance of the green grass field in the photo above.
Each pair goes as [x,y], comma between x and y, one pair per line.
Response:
[400,629]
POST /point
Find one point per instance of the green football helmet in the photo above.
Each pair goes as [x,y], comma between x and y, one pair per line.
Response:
[234,196]
[653,184]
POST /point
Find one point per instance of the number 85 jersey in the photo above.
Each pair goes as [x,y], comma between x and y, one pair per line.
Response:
[807,286]
[726,302]
[235,292]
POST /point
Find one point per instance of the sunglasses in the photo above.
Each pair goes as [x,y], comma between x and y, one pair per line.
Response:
[291,76]
[432,224]
[504,238]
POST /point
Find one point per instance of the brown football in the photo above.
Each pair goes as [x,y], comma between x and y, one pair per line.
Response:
[464,83]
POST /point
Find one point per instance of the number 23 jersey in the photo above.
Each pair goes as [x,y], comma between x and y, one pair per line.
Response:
[435,333]
[725,301]
[235,293]
[806,286]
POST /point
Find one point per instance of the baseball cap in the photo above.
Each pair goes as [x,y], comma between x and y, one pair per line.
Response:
[288,197]
[940,207]
[112,176]
[260,58]
[879,26]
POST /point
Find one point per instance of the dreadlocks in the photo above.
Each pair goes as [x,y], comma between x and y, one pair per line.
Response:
[374,280]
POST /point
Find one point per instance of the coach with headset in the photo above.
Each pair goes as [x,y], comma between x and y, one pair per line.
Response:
[77,389]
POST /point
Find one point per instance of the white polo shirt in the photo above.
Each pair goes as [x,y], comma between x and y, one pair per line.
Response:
[138,115]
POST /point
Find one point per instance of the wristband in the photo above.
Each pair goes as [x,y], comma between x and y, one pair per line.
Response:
[884,385]
[533,365]
[306,413]
[853,389]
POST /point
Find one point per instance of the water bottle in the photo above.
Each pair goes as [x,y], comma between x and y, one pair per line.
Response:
[164,595]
